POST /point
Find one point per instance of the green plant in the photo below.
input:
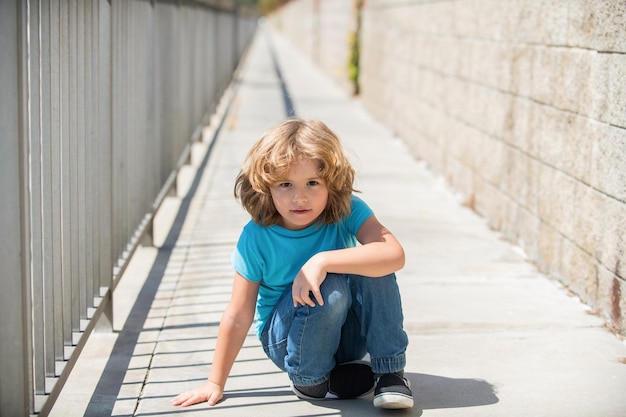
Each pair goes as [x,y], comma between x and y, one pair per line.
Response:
[355,49]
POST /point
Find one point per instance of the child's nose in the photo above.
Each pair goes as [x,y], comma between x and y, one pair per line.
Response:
[299,196]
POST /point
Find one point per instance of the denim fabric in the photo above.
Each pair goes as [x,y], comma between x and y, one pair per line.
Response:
[360,315]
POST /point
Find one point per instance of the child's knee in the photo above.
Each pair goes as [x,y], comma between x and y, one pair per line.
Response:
[336,284]
[336,294]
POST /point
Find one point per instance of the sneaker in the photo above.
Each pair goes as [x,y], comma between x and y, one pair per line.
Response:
[300,393]
[347,380]
[392,391]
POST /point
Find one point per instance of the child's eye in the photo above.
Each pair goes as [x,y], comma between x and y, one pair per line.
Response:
[284,184]
[313,182]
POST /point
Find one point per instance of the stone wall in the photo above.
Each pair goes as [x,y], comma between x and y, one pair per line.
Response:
[521,104]
[321,29]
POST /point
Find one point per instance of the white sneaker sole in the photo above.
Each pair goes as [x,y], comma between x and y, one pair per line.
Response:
[393,401]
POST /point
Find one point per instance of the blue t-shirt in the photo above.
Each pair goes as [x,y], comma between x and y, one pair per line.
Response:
[273,255]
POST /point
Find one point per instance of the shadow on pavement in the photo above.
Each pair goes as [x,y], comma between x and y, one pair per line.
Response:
[429,392]
[434,392]
[106,392]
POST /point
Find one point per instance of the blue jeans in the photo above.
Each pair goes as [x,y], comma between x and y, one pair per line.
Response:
[360,315]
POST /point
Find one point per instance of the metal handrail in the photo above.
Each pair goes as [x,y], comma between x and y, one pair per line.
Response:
[103,102]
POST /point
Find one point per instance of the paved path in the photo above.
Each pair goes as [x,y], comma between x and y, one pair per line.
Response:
[489,335]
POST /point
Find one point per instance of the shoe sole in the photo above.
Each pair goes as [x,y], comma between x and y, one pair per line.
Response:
[332,396]
[303,396]
[393,401]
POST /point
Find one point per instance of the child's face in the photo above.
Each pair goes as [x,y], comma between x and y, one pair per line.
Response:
[301,197]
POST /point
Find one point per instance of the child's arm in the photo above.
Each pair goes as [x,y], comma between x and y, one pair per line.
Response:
[379,254]
[233,329]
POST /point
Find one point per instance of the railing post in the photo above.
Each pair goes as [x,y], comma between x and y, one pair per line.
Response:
[15,395]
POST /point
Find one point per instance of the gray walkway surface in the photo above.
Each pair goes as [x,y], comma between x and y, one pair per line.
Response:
[489,335]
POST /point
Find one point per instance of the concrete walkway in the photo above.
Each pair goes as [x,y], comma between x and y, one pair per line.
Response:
[489,335]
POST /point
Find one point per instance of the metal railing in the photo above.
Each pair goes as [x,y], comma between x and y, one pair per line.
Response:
[101,103]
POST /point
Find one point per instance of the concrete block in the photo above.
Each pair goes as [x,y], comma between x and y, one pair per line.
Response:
[559,142]
[498,206]
[569,77]
[528,233]
[515,176]
[510,217]
[611,250]
[473,146]
[497,118]
[491,162]
[547,22]
[552,185]
[611,300]
[577,80]
[525,182]
[542,86]
[616,87]
[549,245]
[587,224]
[577,269]
[486,201]
[521,59]
[517,124]
[597,25]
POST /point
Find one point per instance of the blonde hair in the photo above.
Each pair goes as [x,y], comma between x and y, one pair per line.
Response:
[269,161]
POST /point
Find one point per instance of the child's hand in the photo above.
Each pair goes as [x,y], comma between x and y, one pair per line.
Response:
[307,282]
[209,392]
